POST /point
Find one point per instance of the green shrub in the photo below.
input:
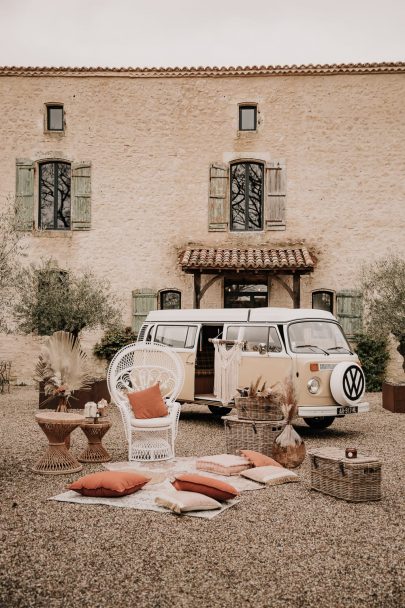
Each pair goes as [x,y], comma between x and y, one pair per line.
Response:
[373,355]
[112,341]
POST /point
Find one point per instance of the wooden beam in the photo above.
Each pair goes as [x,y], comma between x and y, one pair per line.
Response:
[296,291]
[284,284]
[209,283]
[197,290]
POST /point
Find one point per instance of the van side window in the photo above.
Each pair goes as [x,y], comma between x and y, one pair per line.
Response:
[254,335]
[149,334]
[176,336]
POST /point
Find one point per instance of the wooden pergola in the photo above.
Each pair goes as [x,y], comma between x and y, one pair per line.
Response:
[246,264]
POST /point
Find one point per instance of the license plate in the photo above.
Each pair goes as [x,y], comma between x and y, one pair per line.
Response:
[347,409]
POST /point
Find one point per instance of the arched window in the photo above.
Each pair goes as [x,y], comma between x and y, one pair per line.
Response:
[169,299]
[247,196]
[322,300]
[54,195]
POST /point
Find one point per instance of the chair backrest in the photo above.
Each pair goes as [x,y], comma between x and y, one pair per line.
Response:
[140,365]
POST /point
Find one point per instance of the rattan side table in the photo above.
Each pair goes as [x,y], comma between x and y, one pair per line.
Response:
[95,451]
[57,460]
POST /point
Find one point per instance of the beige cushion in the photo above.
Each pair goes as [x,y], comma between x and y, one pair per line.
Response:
[223,464]
[181,502]
[270,475]
[152,422]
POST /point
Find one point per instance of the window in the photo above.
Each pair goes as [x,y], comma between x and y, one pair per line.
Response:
[54,196]
[176,336]
[245,294]
[254,336]
[169,299]
[316,337]
[54,118]
[247,196]
[322,300]
[247,118]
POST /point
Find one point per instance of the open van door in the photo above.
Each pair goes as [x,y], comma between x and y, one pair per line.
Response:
[263,353]
[184,339]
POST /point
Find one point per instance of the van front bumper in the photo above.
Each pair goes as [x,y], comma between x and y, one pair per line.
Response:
[316,411]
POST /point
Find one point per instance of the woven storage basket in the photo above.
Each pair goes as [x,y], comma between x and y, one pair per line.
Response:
[254,435]
[355,480]
[257,408]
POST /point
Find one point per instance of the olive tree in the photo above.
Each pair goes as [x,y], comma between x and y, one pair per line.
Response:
[11,252]
[383,287]
[51,299]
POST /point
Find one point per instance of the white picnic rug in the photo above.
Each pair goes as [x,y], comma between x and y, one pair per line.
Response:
[144,500]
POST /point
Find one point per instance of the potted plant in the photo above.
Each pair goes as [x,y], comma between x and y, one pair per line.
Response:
[62,368]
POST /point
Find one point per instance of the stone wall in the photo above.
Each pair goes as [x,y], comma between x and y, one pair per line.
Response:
[151,141]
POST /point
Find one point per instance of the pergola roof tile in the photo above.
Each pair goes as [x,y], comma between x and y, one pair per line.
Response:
[278,258]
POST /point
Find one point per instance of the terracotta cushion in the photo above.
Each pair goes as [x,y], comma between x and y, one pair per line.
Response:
[148,403]
[109,483]
[215,488]
[259,460]
[181,502]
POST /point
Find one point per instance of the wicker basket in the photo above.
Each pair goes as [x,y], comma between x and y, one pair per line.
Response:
[354,480]
[258,408]
[250,434]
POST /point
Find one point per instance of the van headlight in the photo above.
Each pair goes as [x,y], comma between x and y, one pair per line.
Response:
[313,385]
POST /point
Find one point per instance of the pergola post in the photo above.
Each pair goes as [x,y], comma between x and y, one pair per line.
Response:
[296,290]
[197,289]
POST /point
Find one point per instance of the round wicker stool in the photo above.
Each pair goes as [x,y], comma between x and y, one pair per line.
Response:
[57,460]
[95,451]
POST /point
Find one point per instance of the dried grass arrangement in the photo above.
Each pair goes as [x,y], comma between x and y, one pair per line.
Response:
[258,402]
[63,368]
[289,448]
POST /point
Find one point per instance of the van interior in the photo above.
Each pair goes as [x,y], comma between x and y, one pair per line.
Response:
[204,367]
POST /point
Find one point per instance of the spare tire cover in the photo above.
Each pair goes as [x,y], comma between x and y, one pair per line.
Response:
[347,383]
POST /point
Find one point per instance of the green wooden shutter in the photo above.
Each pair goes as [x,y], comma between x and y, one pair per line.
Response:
[143,301]
[24,194]
[81,196]
[218,208]
[349,311]
[275,204]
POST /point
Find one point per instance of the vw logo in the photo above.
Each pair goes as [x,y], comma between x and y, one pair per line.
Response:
[353,382]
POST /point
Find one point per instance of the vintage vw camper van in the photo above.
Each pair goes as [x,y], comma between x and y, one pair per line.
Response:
[307,344]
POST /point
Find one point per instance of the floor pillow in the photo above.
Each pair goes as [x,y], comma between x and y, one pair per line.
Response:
[109,483]
[223,464]
[259,460]
[181,502]
[270,475]
[215,488]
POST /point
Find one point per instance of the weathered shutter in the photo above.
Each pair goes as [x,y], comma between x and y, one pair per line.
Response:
[81,196]
[349,311]
[276,196]
[143,301]
[218,209]
[24,194]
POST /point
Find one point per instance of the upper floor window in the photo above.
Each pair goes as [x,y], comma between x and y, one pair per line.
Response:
[54,117]
[247,196]
[247,118]
[54,196]
[169,299]
[323,300]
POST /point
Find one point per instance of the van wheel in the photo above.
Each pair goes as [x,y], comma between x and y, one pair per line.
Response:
[217,410]
[319,423]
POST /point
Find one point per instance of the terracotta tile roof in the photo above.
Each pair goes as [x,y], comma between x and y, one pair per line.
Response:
[286,258]
[178,72]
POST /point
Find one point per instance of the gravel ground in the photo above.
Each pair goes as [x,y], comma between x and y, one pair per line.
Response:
[281,547]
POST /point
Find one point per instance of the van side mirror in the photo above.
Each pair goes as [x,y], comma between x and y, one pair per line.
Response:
[262,348]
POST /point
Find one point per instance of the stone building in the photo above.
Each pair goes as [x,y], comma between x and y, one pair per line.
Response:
[207,187]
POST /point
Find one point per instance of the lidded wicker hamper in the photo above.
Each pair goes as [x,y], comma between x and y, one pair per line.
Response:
[254,435]
[257,408]
[352,479]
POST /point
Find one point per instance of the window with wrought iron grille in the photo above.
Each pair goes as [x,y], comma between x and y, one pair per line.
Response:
[247,196]
[322,300]
[54,196]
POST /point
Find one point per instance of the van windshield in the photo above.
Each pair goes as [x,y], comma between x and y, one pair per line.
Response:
[317,336]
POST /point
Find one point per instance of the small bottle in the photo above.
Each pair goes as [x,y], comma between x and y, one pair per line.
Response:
[351,453]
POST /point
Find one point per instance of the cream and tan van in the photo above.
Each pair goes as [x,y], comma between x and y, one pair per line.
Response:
[305,343]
